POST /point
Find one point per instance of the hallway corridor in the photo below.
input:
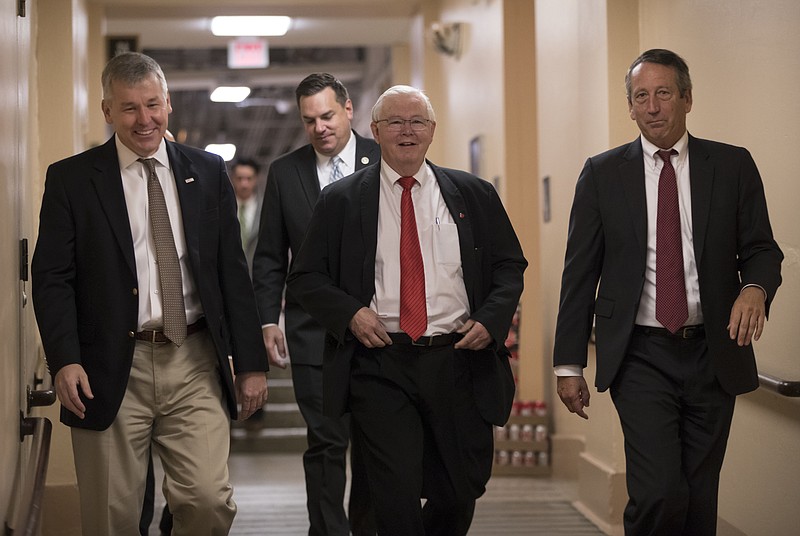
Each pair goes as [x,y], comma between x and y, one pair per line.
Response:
[270,494]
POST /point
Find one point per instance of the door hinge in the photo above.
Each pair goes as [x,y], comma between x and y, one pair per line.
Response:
[21,8]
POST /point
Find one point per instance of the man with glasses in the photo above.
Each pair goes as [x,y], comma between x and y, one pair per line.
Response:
[415,272]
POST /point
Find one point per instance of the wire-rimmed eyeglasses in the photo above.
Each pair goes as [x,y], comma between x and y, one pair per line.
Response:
[395,124]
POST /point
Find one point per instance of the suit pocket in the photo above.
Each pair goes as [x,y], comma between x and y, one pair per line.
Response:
[604,307]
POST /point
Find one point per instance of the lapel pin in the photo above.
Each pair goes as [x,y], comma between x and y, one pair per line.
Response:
[461,215]
[190,179]
[365,160]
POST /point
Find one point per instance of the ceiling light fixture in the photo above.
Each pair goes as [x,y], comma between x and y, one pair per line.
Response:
[250,26]
[230,93]
[225,150]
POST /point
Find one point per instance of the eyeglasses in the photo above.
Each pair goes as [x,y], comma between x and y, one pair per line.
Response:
[395,124]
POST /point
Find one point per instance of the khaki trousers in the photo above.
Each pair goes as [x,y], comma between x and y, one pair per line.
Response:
[174,404]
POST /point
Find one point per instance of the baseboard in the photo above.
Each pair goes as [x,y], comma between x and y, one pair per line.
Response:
[602,494]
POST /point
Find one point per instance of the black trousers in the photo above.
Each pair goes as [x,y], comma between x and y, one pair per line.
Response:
[676,419]
[423,437]
[324,463]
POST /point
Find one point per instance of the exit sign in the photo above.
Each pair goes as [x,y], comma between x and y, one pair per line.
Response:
[248,54]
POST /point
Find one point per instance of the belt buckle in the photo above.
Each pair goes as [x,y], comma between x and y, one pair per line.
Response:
[426,341]
[688,332]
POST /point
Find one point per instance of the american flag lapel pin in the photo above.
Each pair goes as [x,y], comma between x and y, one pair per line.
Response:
[190,179]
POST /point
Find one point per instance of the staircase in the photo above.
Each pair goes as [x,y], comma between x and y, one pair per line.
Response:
[281,427]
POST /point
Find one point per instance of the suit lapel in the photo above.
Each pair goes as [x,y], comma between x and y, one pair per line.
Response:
[366,153]
[107,181]
[631,172]
[189,195]
[306,167]
[369,199]
[701,179]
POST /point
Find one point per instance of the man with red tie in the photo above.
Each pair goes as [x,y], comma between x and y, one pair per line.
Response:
[675,232]
[415,272]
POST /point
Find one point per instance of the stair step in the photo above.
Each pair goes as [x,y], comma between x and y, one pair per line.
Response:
[283,415]
[269,440]
[280,391]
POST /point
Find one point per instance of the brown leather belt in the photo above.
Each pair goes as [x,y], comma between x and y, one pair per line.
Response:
[430,342]
[686,332]
[158,336]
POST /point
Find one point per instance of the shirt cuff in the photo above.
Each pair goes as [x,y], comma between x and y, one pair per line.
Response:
[267,325]
[757,286]
[568,370]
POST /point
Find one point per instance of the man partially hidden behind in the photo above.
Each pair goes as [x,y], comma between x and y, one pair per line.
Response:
[294,182]
[675,231]
[141,293]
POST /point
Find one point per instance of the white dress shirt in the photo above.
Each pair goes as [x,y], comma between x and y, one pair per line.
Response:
[134,183]
[445,293]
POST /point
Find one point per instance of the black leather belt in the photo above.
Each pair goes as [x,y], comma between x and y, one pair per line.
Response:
[428,342]
[158,336]
[686,332]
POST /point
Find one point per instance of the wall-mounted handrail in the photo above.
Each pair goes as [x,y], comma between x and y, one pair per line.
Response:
[779,385]
[40,429]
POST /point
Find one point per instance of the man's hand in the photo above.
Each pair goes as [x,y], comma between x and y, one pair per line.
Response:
[276,347]
[67,381]
[476,337]
[251,392]
[748,315]
[574,394]
[369,329]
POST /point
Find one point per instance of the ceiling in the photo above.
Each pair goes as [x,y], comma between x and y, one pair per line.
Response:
[351,39]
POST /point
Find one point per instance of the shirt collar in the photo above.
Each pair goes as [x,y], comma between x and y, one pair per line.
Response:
[347,154]
[423,174]
[127,157]
[650,149]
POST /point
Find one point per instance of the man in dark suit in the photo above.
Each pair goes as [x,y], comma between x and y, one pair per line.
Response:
[294,182]
[415,351]
[141,293]
[676,231]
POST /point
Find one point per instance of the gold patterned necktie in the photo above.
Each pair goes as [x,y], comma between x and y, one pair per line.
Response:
[169,268]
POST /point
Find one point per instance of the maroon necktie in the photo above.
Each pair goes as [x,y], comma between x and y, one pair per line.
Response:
[413,312]
[671,307]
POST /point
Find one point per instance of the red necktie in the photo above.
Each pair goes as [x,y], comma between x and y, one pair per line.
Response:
[671,307]
[413,311]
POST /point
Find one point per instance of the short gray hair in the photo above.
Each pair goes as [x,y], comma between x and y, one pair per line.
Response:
[131,68]
[401,90]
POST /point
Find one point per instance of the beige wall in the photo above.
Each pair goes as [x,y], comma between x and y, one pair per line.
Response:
[64,109]
[473,100]
[743,60]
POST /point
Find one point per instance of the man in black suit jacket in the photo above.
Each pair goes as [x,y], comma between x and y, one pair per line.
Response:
[674,389]
[294,182]
[423,404]
[124,384]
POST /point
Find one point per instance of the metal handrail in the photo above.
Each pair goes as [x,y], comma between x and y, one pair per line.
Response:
[40,429]
[779,385]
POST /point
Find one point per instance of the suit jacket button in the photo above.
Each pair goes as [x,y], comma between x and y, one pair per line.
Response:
[135,291]
[131,334]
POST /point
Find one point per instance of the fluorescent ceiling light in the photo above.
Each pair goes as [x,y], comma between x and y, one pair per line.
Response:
[230,94]
[250,26]
[225,150]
